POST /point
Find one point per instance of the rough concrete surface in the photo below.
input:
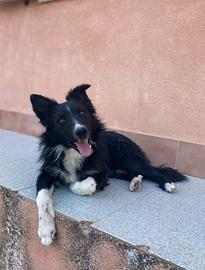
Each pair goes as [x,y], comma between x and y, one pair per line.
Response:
[78,246]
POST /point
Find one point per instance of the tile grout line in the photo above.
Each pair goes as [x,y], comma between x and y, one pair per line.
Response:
[156,203]
[176,161]
[110,213]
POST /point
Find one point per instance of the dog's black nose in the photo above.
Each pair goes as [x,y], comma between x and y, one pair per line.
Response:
[81,132]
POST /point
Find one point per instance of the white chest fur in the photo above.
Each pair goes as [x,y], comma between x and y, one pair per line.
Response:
[72,162]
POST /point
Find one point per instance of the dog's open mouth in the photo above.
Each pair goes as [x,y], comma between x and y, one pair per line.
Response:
[84,147]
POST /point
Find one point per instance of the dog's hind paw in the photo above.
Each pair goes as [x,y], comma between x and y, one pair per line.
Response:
[136,183]
[170,187]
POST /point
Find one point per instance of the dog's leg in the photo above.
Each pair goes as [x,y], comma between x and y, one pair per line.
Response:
[46,227]
[85,187]
[164,178]
[44,201]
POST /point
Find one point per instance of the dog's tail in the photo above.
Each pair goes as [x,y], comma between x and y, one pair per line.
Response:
[172,174]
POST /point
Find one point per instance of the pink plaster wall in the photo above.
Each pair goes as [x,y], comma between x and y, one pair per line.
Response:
[144,58]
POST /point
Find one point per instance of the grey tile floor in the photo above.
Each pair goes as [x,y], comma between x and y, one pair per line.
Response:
[172,225]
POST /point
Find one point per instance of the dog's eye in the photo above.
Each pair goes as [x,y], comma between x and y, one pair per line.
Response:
[61,120]
[81,112]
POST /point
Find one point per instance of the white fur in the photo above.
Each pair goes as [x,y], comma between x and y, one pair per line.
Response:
[58,151]
[46,228]
[55,171]
[72,162]
[85,187]
[170,187]
[44,1]
[136,181]
[77,125]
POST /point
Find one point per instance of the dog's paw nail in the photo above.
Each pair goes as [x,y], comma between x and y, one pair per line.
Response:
[53,234]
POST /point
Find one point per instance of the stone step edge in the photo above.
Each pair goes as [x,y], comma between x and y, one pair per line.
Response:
[83,245]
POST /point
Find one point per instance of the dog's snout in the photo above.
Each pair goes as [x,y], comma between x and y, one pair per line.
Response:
[81,132]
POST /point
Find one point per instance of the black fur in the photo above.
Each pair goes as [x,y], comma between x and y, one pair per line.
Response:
[114,155]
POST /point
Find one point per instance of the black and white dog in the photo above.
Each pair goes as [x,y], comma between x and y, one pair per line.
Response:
[77,150]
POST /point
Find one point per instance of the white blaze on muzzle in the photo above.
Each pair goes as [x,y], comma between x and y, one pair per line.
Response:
[83,146]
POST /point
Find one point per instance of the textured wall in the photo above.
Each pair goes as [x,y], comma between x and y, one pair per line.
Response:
[145,60]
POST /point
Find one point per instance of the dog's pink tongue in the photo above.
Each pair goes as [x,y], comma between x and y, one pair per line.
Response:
[84,148]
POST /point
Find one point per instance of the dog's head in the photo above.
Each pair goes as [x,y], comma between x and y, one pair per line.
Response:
[68,123]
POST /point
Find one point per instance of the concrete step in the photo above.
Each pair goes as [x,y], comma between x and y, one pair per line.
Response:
[114,229]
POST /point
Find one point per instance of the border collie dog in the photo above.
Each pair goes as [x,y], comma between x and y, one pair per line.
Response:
[76,149]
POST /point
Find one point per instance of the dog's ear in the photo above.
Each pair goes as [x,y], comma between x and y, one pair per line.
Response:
[78,92]
[42,106]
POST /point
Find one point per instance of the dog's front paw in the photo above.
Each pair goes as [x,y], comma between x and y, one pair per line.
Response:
[46,229]
[89,186]
[85,187]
